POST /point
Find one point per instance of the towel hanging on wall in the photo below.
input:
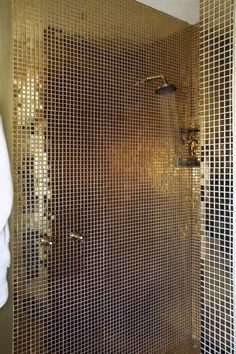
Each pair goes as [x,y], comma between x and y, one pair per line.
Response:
[6,201]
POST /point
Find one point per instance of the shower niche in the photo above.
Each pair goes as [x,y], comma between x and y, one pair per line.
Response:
[189,147]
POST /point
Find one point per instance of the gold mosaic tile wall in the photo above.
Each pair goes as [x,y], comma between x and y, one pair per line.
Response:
[216,64]
[95,154]
[196,189]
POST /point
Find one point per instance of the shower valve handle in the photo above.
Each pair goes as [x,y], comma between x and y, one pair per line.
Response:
[77,236]
[46,241]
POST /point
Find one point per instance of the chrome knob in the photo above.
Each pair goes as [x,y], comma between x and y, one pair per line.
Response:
[47,241]
[77,236]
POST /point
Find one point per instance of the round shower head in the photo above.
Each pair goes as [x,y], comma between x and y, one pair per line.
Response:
[165,89]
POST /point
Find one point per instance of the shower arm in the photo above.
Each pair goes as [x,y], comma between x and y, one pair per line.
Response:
[150,78]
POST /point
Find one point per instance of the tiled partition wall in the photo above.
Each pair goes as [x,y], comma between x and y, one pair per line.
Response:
[196,189]
[216,64]
[95,154]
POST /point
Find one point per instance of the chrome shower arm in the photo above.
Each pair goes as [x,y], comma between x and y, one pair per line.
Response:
[151,78]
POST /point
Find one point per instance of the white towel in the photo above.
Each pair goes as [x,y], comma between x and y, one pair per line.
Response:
[6,201]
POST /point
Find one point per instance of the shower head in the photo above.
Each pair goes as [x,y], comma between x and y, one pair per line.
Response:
[163,89]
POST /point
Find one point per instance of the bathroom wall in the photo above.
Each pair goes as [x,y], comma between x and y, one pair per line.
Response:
[94,153]
[216,109]
[6,316]
[196,189]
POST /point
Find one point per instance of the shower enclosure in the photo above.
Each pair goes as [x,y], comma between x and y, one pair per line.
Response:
[111,253]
